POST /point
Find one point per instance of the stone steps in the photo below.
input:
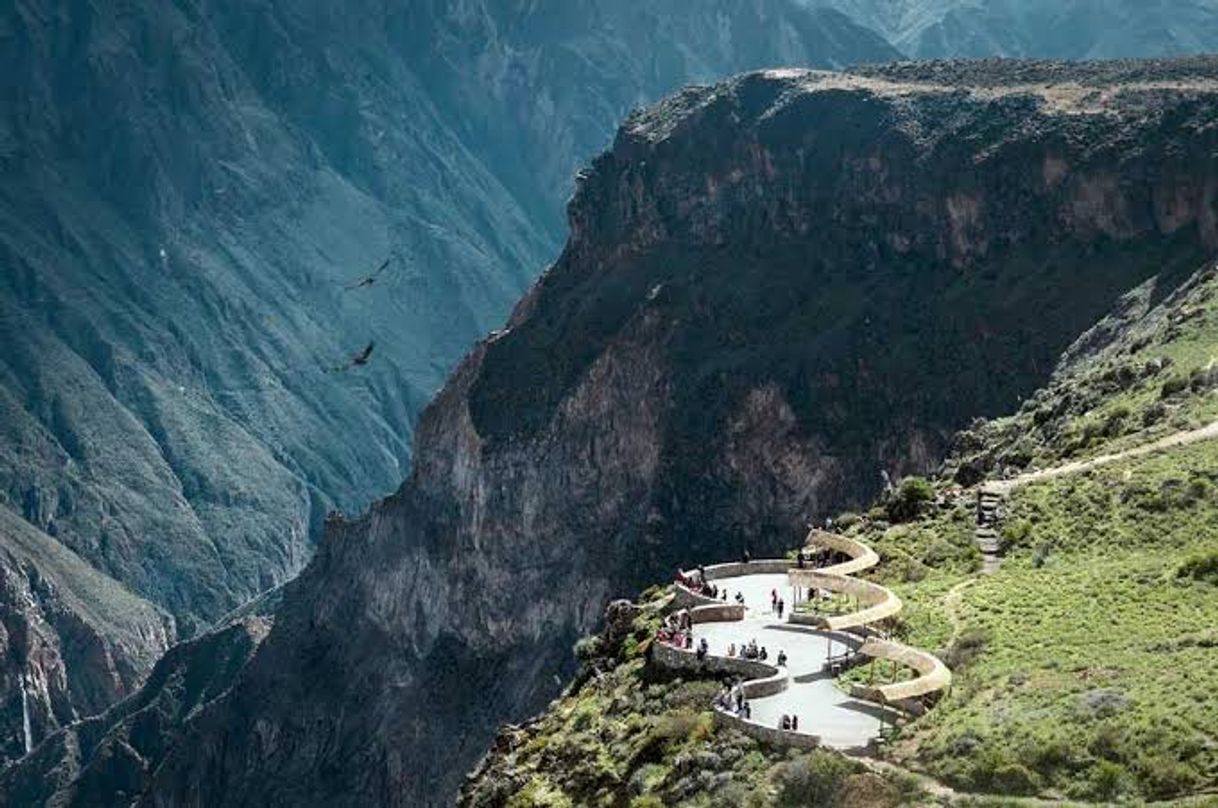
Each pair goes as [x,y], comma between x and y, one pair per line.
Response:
[989,514]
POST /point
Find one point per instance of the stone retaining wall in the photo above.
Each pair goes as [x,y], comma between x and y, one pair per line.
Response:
[686,598]
[769,735]
[760,679]
[735,569]
[717,613]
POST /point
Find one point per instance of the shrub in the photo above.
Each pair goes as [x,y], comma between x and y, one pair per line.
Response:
[814,779]
[1201,567]
[588,648]
[1014,779]
[939,553]
[910,496]
[846,520]
[1162,776]
[1174,385]
[1108,781]
[1154,414]
[540,793]
[966,648]
[1016,533]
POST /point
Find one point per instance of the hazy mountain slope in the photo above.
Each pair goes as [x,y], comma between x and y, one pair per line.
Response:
[189,186]
[1054,29]
[730,343]
[174,242]
[73,641]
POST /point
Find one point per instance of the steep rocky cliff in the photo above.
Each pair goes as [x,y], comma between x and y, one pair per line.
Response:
[71,640]
[773,288]
[187,190]
[189,187]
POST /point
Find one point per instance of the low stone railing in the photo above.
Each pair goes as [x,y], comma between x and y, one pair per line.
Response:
[760,680]
[881,603]
[769,735]
[933,675]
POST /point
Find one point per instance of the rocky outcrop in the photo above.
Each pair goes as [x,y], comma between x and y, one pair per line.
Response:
[72,642]
[773,288]
[109,758]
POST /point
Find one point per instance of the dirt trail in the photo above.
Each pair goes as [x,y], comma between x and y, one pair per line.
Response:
[1207,432]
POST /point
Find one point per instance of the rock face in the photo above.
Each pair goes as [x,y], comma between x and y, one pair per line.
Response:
[113,753]
[71,640]
[773,288]
[188,189]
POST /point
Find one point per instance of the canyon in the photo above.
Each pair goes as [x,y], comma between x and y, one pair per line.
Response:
[773,289]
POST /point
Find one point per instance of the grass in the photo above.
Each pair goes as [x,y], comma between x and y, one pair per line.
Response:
[1091,672]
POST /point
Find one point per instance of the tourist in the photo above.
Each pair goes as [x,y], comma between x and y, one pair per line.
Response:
[725,594]
[782,657]
[702,648]
[689,640]
[795,723]
[773,600]
[782,604]
[739,699]
[731,650]
[747,711]
[740,598]
[764,654]
[785,723]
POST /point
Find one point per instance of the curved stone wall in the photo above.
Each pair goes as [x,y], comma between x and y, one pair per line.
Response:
[933,676]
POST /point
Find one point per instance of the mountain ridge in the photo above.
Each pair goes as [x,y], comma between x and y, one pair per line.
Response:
[512,531]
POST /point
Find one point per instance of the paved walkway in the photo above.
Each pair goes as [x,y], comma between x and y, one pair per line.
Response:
[841,722]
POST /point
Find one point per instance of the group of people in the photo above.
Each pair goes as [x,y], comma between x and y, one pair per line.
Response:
[697,583]
[789,722]
[678,631]
[777,604]
[732,700]
[749,650]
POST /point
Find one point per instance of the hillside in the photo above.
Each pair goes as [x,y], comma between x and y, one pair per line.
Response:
[773,288]
[1082,666]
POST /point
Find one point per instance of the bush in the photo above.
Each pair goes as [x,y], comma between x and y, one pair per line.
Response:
[846,520]
[966,648]
[910,497]
[1174,385]
[1162,776]
[1202,567]
[1014,779]
[815,779]
[1108,781]
[588,648]
[1015,533]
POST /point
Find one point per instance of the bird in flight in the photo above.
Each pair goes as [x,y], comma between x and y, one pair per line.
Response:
[369,279]
[357,360]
